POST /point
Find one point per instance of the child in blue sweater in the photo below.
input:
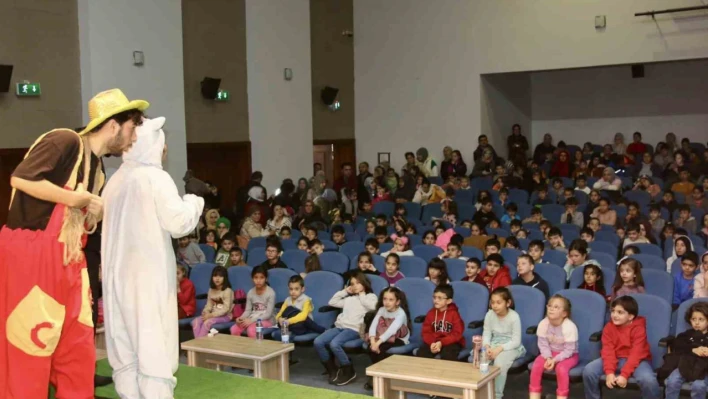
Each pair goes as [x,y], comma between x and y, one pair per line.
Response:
[683,282]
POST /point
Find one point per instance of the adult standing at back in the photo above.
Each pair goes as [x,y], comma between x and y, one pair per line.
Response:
[143,212]
[346,180]
[517,145]
[544,150]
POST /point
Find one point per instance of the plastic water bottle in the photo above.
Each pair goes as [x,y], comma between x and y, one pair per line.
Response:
[284,332]
[476,345]
[483,362]
[259,330]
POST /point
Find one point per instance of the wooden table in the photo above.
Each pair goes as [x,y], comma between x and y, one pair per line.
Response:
[268,359]
[397,375]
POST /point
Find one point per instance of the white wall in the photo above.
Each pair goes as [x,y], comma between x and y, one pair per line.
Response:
[582,104]
[418,63]
[280,111]
[506,100]
[109,32]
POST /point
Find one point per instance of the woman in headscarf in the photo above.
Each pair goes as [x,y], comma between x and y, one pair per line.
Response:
[426,163]
[609,181]
[223,226]
[252,224]
[454,167]
[428,193]
[307,215]
[319,182]
[485,165]
[392,181]
[210,218]
[256,199]
[286,197]
[405,190]
[562,167]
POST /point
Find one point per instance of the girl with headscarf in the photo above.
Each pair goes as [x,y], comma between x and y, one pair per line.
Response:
[210,218]
[223,226]
[252,224]
[682,244]
[562,167]
[426,163]
[454,167]
[609,181]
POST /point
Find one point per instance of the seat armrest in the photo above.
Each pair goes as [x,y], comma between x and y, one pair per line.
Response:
[328,308]
[476,324]
[419,319]
[531,330]
[666,342]
[596,336]
[202,296]
[279,305]
[240,301]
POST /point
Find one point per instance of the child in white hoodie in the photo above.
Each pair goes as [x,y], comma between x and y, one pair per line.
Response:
[355,301]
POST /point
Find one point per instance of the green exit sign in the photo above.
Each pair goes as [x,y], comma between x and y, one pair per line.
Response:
[28,89]
[223,95]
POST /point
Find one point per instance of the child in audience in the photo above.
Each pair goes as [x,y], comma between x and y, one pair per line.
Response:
[480,197]
[370,227]
[593,279]
[625,353]
[581,184]
[633,236]
[527,277]
[310,233]
[260,303]
[684,281]
[443,327]
[502,335]
[477,230]
[685,220]
[466,224]
[628,279]
[365,264]
[391,327]
[312,264]
[381,234]
[465,183]
[669,202]
[223,256]
[545,228]
[558,345]
[510,215]
[587,235]
[542,197]
[429,238]
[492,246]
[338,235]
[297,311]
[400,228]
[381,220]
[496,274]
[700,288]
[571,215]
[189,252]
[355,301]
[472,271]
[503,199]
[514,226]
[236,257]
[512,242]
[437,272]
[454,251]
[316,247]
[555,240]
[522,234]
[219,304]
[688,360]
[485,215]
[272,251]
[682,244]
[535,217]
[558,189]
[401,246]
[392,274]
[684,185]
[211,239]
[186,294]
[285,233]
[594,224]
[630,250]
[536,251]
[449,209]
[303,244]
[578,257]
[372,246]
[383,193]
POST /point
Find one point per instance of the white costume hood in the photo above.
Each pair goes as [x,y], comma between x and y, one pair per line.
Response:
[143,210]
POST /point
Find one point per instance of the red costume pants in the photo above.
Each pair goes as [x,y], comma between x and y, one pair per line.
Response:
[46,329]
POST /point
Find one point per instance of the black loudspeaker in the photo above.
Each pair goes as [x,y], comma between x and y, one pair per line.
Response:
[329,95]
[637,71]
[210,88]
[5,75]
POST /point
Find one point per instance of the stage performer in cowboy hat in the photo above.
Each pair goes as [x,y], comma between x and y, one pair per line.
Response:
[143,212]
[46,328]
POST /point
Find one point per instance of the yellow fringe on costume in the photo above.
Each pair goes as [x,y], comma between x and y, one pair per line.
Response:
[76,222]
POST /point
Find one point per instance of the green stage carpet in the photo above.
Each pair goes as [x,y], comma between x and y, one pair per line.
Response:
[198,383]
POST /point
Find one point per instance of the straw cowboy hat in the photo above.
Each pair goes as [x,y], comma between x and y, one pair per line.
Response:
[109,103]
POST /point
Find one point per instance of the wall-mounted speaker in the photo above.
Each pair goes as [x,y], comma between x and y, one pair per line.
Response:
[210,88]
[5,76]
[637,71]
[329,95]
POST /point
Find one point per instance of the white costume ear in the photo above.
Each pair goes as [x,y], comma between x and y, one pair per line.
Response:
[157,123]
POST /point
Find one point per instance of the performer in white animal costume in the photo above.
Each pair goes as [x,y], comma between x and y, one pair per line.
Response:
[142,211]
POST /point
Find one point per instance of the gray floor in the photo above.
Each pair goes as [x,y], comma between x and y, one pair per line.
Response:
[308,372]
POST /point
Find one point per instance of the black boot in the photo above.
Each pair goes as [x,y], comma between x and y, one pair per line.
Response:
[346,376]
[101,381]
[331,370]
[369,386]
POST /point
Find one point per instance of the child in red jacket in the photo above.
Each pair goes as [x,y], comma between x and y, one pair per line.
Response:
[186,295]
[625,353]
[443,327]
[496,274]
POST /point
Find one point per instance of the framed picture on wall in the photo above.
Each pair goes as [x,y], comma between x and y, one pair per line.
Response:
[384,158]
